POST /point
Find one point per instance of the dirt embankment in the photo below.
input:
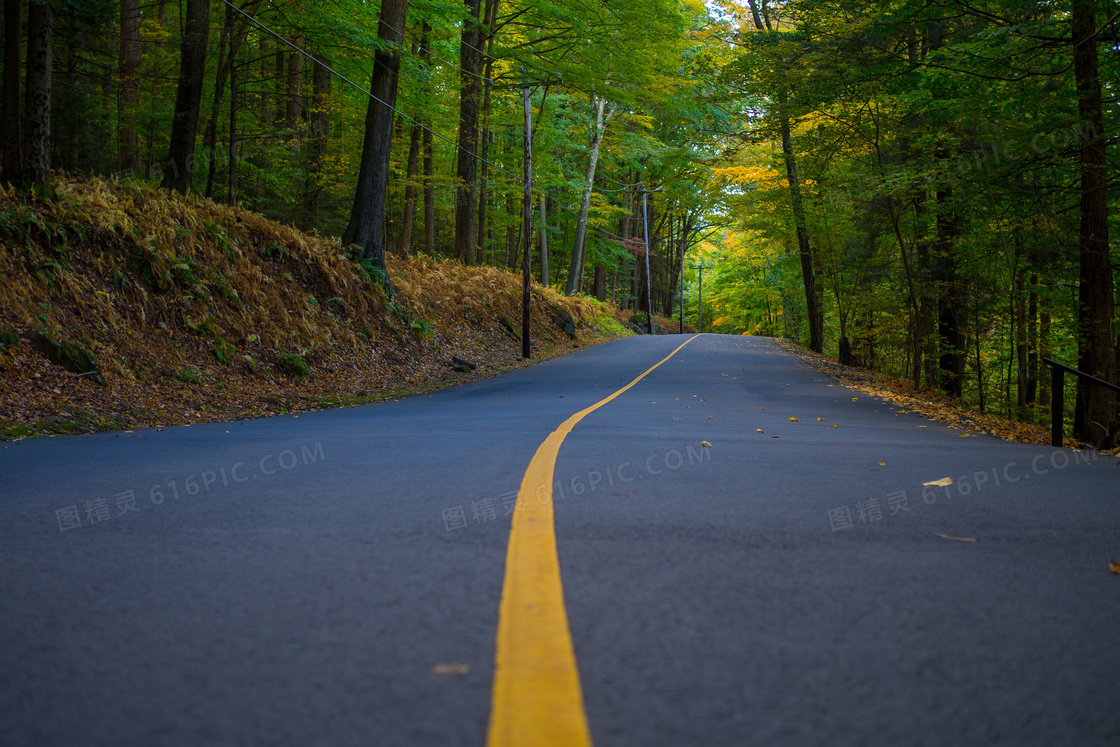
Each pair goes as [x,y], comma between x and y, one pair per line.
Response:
[122,306]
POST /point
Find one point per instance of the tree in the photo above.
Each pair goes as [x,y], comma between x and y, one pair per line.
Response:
[129,66]
[366,226]
[805,249]
[600,119]
[40,41]
[1095,414]
[470,63]
[188,97]
[13,36]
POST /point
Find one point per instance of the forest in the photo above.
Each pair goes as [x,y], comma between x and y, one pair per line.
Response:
[929,185]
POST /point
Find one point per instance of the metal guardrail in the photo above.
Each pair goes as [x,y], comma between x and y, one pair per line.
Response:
[1057,396]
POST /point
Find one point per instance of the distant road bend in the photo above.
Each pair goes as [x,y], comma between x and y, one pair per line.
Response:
[665,540]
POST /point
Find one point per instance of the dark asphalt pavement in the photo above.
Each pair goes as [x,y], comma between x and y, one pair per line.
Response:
[295,580]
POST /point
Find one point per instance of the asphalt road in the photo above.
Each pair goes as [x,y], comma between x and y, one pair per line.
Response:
[298,580]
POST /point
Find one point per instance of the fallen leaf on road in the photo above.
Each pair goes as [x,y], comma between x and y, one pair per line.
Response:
[703,399]
[882,464]
[760,430]
[944,482]
[823,420]
[705,444]
[1114,566]
[835,425]
[710,417]
[964,435]
[762,408]
[454,670]
[855,399]
[794,420]
[958,539]
[676,418]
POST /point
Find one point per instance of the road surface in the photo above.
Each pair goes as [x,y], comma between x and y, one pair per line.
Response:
[336,578]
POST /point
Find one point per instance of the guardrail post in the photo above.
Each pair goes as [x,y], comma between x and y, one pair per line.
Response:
[1057,404]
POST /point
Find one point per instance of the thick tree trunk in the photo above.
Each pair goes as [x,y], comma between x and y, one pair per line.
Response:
[466,186]
[129,66]
[188,97]
[950,304]
[600,283]
[367,218]
[40,33]
[1095,412]
[13,37]
[599,122]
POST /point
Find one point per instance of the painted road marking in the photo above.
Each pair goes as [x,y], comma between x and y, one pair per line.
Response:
[537,699]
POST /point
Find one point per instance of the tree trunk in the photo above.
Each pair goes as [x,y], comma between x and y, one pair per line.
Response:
[544,239]
[1032,342]
[231,193]
[210,139]
[600,121]
[1095,411]
[320,135]
[813,307]
[280,93]
[429,169]
[600,283]
[13,36]
[129,65]
[40,32]
[410,190]
[1019,306]
[74,125]
[485,38]
[466,185]
[950,304]
[293,103]
[367,218]
[188,97]
[677,261]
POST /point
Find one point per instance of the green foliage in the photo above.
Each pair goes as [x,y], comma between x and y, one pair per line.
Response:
[8,339]
[189,375]
[223,351]
[295,364]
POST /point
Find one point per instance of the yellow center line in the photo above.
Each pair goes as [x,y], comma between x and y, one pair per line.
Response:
[537,699]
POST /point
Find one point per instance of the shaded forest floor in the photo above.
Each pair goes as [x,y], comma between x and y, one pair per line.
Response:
[930,404]
[122,307]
